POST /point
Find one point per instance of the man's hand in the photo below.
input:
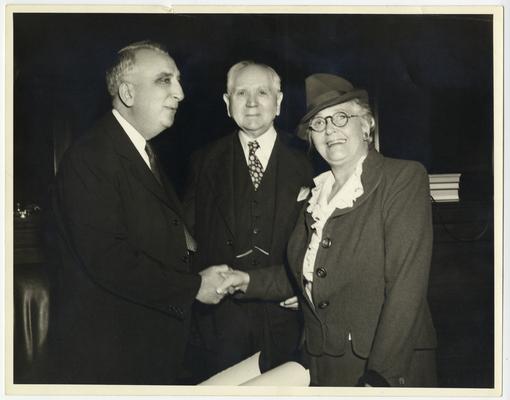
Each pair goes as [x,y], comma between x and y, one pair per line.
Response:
[212,279]
[291,303]
[234,280]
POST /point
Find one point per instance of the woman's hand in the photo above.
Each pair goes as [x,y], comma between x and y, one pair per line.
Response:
[291,303]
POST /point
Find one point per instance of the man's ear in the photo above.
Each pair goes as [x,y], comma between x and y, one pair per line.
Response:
[226,99]
[279,98]
[127,94]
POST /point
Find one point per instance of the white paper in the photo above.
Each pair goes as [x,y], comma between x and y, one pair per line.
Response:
[237,374]
[289,374]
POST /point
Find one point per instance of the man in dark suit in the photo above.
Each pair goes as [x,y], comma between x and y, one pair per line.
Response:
[244,197]
[125,286]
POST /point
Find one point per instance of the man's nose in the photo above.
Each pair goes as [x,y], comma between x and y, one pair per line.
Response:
[176,91]
[252,100]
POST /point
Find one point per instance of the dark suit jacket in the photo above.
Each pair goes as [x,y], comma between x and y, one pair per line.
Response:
[125,286]
[375,266]
[210,207]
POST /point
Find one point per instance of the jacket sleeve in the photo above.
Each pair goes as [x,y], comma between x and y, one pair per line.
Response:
[271,283]
[408,249]
[90,209]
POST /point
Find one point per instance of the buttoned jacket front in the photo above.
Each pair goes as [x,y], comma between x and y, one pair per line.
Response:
[211,203]
[371,271]
[210,199]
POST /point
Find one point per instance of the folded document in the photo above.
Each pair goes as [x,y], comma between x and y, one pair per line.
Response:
[247,373]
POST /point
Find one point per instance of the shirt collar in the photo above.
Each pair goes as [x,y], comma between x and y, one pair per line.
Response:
[136,137]
[266,142]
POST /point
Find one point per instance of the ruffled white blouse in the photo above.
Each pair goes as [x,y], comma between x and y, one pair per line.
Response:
[320,210]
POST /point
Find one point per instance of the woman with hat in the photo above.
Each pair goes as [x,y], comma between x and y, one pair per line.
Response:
[360,253]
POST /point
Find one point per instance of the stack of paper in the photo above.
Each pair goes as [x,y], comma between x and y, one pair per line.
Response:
[444,187]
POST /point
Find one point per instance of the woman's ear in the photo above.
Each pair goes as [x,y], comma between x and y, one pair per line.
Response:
[367,123]
[372,124]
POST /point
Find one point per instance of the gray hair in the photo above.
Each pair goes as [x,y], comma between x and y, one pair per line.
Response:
[236,68]
[126,61]
[366,113]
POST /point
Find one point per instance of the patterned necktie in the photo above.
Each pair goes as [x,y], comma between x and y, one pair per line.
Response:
[191,244]
[153,162]
[254,165]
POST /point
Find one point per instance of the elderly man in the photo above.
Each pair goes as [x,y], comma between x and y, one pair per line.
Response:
[126,288]
[245,193]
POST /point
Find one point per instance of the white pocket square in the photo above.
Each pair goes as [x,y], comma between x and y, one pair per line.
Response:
[303,193]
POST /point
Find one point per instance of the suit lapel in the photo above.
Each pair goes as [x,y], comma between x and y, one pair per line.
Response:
[134,162]
[221,178]
[370,179]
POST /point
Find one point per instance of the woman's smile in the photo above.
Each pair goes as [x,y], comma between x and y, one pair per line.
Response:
[333,142]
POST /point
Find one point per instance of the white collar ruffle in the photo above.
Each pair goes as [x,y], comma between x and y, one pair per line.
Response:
[318,205]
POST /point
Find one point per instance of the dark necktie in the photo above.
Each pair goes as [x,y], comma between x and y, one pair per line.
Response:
[254,164]
[191,244]
[153,162]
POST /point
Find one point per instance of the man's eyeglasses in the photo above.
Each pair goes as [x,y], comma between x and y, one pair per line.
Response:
[339,119]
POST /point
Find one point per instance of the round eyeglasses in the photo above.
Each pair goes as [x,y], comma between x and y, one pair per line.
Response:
[339,119]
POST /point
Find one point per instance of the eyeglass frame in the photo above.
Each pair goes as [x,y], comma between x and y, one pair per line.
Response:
[347,118]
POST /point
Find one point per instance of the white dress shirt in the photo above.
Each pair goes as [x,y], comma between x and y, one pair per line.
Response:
[136,138]
[266,142]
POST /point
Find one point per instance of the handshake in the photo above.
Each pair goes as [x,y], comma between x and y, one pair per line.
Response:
[220,280]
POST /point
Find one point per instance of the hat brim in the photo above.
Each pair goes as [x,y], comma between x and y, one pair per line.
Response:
[303,124]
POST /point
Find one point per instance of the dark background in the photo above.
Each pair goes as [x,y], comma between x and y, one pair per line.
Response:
[429,78]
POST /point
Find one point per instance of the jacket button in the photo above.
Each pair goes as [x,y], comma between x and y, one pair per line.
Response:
[321,272]
[175,222]
[256,231]
[254,262]
[323,304]
[229,242]
[185,258]
[326,243]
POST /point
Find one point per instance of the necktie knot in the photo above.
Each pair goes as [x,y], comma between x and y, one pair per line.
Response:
[253,146]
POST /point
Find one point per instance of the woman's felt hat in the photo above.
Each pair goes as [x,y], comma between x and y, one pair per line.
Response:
[323,91]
